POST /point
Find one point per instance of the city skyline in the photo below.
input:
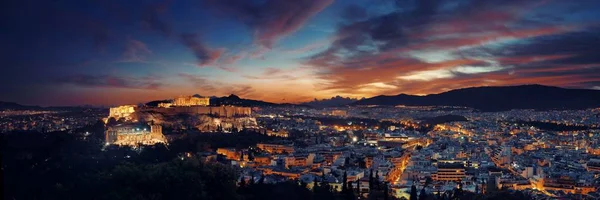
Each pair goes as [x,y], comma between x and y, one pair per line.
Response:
[104,53]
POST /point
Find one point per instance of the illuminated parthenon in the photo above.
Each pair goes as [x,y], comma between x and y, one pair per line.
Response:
[185,104]
[206,118]
[186,101]
[122,112]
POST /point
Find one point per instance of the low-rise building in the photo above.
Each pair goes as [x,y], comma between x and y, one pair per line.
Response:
[449,172]
[275,148]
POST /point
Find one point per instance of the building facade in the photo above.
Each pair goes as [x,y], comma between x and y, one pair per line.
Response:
[191,101]
[133,136]
[449,172]
[275,148]
[124,111]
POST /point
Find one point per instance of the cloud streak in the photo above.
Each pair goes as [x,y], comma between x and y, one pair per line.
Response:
[208,86]
[135,51]
[111,81]
[204,55]
[152,18]
[270,19]
[459,45]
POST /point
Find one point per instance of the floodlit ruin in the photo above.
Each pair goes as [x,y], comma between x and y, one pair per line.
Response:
[180,113]
[128,135]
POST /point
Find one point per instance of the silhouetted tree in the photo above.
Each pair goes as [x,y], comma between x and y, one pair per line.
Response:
[458,192]
[422,195]
[428,181]
[491,185]
[362,164]
[386,193]
[251,155]
[345,182]
[303,184]
[242,183]
[371,178]
[358,187]
[376,181]
[111,121]
[413,192]
[350,192]
[322,190]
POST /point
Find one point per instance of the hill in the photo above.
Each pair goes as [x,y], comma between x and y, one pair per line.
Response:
[234,100]
[333,102]
[156,102]
[16,106]
[537,97]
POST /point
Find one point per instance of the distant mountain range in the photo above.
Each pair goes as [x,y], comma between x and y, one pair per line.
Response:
[333,102]
[501,98]
[537,97]
[16,106]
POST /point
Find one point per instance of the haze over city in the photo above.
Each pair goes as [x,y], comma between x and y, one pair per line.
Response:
[108,53]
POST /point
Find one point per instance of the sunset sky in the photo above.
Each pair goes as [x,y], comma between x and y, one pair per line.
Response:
[109,52]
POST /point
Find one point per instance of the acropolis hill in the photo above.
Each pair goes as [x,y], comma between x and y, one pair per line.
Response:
[185,112]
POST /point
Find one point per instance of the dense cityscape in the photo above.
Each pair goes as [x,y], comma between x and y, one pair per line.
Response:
[300,99]
[355,152]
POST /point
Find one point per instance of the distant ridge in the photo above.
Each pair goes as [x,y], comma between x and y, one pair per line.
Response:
[16,106]
[235,100]
[156,102]
[497,98]
[332,102]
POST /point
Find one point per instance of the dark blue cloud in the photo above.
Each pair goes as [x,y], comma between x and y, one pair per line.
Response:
[111,81]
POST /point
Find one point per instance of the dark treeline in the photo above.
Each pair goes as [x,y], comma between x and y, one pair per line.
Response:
[74,165]
[193,142]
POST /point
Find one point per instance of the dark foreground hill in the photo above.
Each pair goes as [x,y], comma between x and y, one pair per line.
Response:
[537,97]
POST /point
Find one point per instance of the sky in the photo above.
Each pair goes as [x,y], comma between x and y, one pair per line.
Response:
[110,52]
